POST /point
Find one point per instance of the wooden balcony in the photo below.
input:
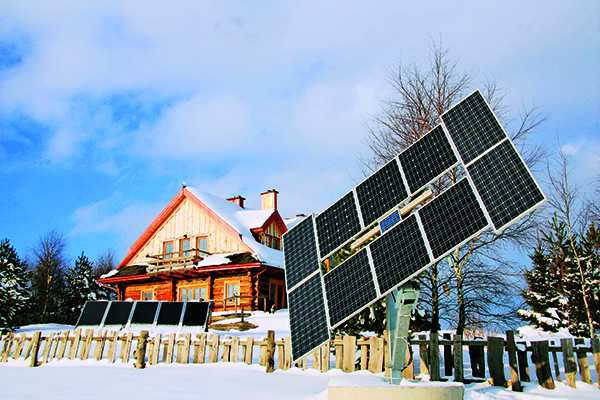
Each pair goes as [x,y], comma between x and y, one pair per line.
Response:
[175,260]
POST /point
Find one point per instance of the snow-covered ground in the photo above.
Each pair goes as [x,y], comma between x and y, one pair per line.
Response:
[98,380]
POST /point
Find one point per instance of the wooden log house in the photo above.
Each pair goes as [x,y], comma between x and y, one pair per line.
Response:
[204,247]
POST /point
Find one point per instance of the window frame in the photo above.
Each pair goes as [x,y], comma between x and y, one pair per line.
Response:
[188,251]
[168,255]
[146,291]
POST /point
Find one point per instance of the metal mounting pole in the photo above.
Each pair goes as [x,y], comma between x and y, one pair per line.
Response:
[400,304]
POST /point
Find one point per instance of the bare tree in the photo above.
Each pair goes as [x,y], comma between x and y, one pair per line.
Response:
[422,95]
[47,278]
[104,263]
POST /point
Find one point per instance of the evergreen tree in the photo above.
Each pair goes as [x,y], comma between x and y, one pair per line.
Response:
[81,286]
[14,294]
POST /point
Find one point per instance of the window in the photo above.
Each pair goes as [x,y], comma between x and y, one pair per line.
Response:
[202,244]
[193,293]
[168,249]
[232,289]
[271,237]
[147,295]
[184,248]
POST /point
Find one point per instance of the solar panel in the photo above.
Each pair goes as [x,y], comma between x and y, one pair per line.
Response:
[381,192]
[337,224]
[398,254]
[92,313]
[506,187]
[349,287]
[308,321]
[118,313]
[170,313]
[300,253]
[472,127]
[427,158]
[389,221]
[196,314]
[144,312]
[451,218]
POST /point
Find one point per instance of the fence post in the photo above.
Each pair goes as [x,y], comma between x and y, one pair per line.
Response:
[140,351]
[512,361]
[556,366]
[249,350]
[235,349]
[325,357]
[349,352]
[523,362]
[423,356]
[477,358]
[75,344]
[459,375]
[434,357]
[339,361]
[495,362]
[542,364]
[270,361]
[447,354]
[569,361]
[35,348]
[596,355]
[409,371]
[47,346]
[6,347]
[582,362]
[200,348]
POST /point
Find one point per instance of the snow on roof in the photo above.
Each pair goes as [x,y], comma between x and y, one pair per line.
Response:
[291,222]
[242,220]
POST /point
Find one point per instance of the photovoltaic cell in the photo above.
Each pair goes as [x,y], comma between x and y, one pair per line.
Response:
[118,313]
[144,312]
[399,254]
[349,287]
[300,252]
[427,158]
[308,321]
[170,313]
[472,127]
[389,221]
[506,187]
[92,313]
[452,217]
[196,314]
[381,192]
[337,224]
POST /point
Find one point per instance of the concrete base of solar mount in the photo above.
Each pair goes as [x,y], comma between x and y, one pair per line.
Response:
[345,389]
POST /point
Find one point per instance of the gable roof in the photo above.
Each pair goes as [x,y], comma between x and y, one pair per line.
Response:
[238,220]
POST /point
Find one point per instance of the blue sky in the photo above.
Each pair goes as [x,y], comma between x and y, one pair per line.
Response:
[105,109]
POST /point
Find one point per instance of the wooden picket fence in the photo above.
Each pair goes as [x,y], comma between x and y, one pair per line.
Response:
[347,353]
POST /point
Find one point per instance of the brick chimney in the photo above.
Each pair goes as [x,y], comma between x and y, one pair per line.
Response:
[239,200]
[268,200]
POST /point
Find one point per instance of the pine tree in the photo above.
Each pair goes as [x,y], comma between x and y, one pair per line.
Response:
[14,294]
[81,286]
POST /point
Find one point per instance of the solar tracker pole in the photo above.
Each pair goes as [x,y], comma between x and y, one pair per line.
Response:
[400,304]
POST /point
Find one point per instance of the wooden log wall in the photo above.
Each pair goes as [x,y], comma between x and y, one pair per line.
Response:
[347,353]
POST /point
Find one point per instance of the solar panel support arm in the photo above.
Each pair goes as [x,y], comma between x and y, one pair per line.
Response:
[400,304]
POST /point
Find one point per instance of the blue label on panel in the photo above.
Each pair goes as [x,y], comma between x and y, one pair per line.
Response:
[389,221]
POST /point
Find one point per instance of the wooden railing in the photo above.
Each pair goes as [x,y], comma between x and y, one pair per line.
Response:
[488,358]
[178,256]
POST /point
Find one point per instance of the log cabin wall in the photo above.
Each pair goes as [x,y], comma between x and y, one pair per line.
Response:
[162,290]
[193,220]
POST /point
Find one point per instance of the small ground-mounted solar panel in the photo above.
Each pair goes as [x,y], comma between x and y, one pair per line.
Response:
[380,192]
[144,312]
[399,254]
[300,252]
[472,127]
[388,222]
[452,217]
[196,314]
[308,318]
[92,313]
[118,313]
[349,287]
[505,185]
[170,313]
[337,224]
[427,158]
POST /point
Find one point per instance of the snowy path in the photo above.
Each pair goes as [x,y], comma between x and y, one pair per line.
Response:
[90,380]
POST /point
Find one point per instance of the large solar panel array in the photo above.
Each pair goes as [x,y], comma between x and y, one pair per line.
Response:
[105,313]
[497,189]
